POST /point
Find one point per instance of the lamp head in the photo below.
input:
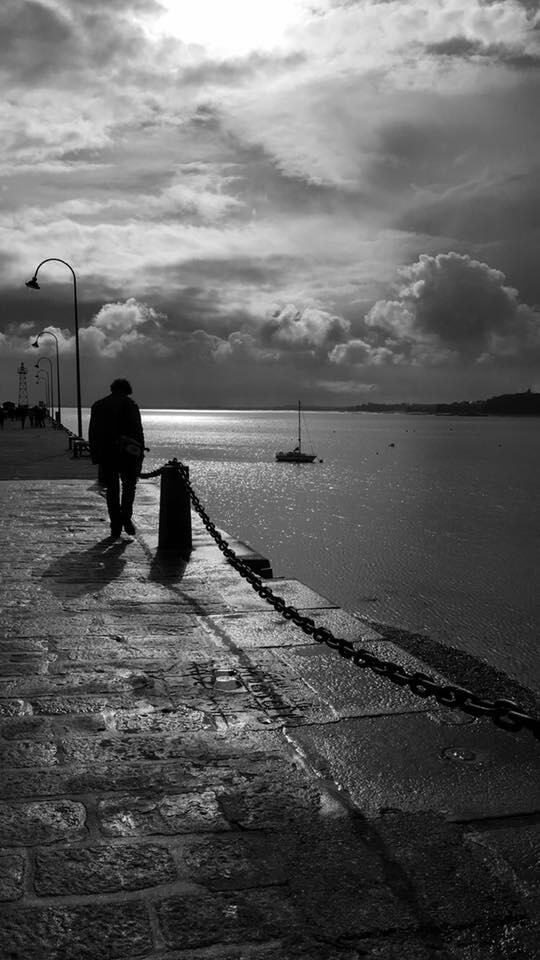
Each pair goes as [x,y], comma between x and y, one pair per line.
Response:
[33,284]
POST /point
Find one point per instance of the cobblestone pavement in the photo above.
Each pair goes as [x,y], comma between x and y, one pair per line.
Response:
[161,795]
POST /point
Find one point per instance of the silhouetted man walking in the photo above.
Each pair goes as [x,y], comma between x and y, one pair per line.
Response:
[116,443]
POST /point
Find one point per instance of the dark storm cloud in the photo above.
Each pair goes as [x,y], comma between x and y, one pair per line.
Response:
[452,307]
[263,187]
[42,42]
[34,40]
[228,270]
[465,48]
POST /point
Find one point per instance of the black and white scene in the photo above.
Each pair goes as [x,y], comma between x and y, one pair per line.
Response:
[269,474]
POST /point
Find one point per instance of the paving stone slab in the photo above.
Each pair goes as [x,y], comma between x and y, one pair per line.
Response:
[267,628]
[214,698]
[241,596]
[27,753]
[90,703]
[236,862]
[134,816]
[513,849]
[78,682]
[51,728]
[33,646]
[14,707]
[90,932]
[73,627]
[120,750]
[164,719]
[16,664]
[198,921]
[412,763]
[102,869]
[102,778]
[270,804]
[12,870]
[43,821]
[184,644]
[196,600]
[324,686]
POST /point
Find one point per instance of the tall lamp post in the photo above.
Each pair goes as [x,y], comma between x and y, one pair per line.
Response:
[34,285]
[35,344]
[45,373]
[51,382]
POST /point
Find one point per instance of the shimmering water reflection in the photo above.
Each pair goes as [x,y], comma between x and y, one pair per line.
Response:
[426,523]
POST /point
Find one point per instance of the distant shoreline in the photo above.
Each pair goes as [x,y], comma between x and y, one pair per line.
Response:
[506,405]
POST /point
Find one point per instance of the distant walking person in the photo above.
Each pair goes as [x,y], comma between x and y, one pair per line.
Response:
[116,443]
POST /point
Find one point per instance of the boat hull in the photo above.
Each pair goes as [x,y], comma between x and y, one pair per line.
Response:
[295,457]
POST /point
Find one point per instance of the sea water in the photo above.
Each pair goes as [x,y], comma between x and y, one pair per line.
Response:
[427,523]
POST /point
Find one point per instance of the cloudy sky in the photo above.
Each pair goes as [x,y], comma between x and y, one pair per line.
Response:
[265,200]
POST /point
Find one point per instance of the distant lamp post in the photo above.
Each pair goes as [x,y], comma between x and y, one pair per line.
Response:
[36,345]
[45,373]
[34,285]
[51,382]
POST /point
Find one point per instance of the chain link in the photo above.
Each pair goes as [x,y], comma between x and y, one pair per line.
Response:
[506,714]
[153,473]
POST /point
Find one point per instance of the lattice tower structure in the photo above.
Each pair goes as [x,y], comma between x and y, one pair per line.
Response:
[23,386]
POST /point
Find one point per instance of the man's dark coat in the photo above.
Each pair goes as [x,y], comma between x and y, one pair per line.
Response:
[111,418]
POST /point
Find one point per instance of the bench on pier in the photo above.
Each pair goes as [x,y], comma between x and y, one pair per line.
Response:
[79,447]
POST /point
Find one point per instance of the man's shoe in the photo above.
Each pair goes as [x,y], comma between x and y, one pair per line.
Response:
[129,527]
[116,530]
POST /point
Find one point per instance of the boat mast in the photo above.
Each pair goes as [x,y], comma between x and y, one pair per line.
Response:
[299,434]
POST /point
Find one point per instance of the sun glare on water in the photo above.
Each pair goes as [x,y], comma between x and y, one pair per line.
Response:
[231,28]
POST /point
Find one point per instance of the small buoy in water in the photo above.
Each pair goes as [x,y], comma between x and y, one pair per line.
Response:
[391,444]
[321,461]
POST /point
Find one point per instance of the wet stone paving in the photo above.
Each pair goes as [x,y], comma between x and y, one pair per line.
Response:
[186,775]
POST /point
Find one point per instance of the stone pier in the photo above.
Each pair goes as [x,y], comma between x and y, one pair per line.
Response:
[186,776]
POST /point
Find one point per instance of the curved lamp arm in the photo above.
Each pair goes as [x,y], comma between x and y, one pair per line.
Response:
[33,284]
[49,333]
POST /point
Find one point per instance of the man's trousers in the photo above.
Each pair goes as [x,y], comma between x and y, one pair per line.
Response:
[120,477]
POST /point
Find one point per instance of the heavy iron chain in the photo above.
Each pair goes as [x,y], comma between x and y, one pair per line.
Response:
[506,714]
[152,474]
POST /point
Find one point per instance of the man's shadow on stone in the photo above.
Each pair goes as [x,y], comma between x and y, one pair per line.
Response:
[87,571]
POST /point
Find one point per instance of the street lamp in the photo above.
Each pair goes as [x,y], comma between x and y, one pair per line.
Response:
[36,345]
[45,373]
[34,285]
[51,388]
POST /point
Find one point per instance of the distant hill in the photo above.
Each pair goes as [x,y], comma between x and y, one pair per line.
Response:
[507,404]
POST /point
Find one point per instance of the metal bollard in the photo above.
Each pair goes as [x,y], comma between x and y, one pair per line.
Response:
[174,511]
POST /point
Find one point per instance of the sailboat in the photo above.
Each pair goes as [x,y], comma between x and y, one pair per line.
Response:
[296,455]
